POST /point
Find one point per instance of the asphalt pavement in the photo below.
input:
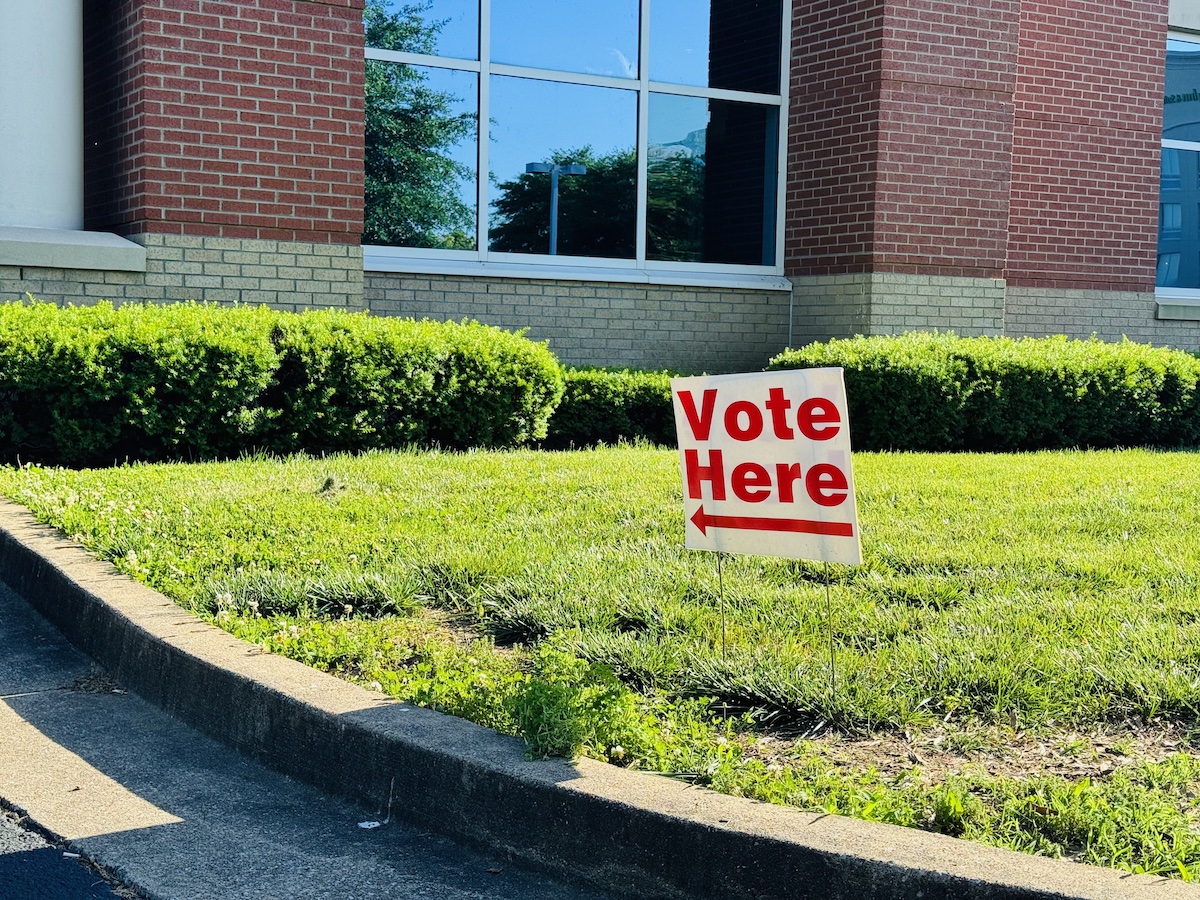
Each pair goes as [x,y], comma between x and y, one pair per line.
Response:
[178,815]
[30,866]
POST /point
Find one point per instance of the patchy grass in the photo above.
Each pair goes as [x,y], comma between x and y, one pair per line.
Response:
[1017,659]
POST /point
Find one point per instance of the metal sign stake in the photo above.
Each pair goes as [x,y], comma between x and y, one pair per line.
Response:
[721,589]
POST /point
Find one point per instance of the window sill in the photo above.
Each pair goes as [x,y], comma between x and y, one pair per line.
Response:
[384,261]
[53,248]
[1181,307]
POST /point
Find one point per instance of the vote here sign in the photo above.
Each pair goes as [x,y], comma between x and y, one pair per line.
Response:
[766,464]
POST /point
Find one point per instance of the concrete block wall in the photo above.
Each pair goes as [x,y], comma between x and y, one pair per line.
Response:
[890,303]
[1109,315]
[689,329]
[293,275]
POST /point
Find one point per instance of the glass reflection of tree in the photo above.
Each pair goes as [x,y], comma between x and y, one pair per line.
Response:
[597,212]
[412,183]
[675,209]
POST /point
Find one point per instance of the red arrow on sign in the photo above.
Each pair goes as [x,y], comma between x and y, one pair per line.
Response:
[704,521]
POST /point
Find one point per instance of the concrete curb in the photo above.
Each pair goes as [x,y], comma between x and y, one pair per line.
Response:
[637,834]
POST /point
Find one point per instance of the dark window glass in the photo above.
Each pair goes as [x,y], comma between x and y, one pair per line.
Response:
[596,38]
[421,156]
[1179,223]
[546,123]
[730,44]
[711,168]
[438,28]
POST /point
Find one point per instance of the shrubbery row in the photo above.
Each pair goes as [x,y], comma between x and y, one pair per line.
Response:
[923,391]
[94,385]
[939,392]
[603,407]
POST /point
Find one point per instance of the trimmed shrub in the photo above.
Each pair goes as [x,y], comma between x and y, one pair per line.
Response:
[97,385]
[94,385]
[604,407]
[931,391]
[352,381]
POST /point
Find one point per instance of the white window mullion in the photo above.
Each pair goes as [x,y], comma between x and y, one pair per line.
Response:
[643,133]
[416,59]
[484,127]
[785,85]
[708,93]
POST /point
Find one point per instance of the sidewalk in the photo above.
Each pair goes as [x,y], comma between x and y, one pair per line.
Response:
[158,790]
[181,816]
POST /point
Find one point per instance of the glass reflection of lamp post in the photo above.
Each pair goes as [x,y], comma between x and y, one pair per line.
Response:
[555,170]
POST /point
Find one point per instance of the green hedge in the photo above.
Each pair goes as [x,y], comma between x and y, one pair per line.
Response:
[603,407]
[922,391]
[94,385]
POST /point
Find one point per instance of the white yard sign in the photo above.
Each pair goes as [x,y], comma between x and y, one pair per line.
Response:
[766,464]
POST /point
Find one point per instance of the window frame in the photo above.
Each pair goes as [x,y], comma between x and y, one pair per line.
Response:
[1176,303]
[484,262]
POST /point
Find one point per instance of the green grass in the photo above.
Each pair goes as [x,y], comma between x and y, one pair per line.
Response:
[549,595]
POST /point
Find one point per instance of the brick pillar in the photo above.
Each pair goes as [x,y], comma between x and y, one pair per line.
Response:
[901,131]
[227,119]
[227,139]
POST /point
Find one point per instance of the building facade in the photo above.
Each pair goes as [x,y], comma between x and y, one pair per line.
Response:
[685,184]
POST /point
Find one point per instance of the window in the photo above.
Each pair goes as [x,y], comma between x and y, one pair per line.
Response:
[629,134]
[1179,188]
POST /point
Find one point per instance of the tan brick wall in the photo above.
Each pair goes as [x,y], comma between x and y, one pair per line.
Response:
[292,275]
[688,329]
[887,303]
[1110,315]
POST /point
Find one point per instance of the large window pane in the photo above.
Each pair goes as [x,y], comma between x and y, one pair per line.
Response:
[548,123]
[712,181]
[434,28]
[421,156]
[1181,109]
[1179,223]
[597,38]
[731,44]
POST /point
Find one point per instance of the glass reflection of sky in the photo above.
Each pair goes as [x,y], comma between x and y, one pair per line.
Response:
[456,21]
[532,119]
[679,41]
[595,38]
[673,119]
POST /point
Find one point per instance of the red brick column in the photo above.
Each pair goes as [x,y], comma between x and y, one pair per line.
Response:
[900,141]
[224,119]
[1084,209]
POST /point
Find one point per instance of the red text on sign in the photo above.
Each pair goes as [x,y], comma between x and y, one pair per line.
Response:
[816,418]
[825,484]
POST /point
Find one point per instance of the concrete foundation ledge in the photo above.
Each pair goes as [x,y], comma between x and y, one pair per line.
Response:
[53,248]
[640,835]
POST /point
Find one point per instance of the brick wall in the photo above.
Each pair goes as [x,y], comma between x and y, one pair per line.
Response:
[689,329]
[837,48]
[945,137]
[1088,120]
[222,119]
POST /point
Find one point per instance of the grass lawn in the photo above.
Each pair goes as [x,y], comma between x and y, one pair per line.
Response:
[1018,660]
